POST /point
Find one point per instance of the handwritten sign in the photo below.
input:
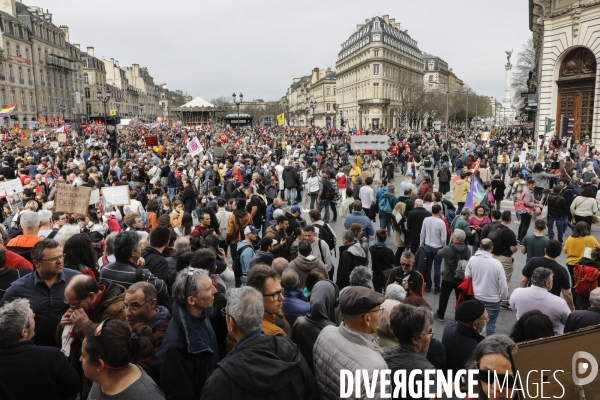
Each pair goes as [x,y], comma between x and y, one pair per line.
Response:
[54,144]
[26,143]
[116,195]
[124,132]
[72,199]
[62,138]
[10,187]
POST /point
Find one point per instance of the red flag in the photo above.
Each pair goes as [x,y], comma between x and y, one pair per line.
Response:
[6,136]
[238,143]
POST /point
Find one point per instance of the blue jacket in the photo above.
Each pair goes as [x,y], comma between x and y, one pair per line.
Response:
[359,217]
[245,256]
[294,305]
[184,361]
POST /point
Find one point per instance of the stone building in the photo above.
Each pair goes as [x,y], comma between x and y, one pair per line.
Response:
[436,74]
[94,82]
[565,38]
[16,68]
[54,64]
[375,71]
[312,99]
[140,78]
[297,96]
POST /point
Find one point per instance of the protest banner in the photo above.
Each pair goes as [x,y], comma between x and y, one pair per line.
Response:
[194,147]
[116,195]
[62,138]
[370,142]
[72,199]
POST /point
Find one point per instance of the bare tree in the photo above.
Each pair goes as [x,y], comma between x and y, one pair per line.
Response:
[525,64]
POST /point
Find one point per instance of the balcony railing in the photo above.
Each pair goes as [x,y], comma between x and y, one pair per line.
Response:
[22,81]
[31,81]
[374,101]
[11,78]
[2,78]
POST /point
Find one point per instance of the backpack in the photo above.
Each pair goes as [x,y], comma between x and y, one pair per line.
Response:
[385,207]
[178,180]
[113,223]
[586,279]
[495,235]
[461,265]
[356,191]
[427,162]
[327,235]
[450,215]
[328,193]
[459,163]
[206,186]
[262,208]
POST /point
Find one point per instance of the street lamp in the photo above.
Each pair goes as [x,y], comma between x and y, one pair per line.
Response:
[237,103]
[103,100]
[62,110]
[360,111]
[141,111]
[118,104]
[313,105]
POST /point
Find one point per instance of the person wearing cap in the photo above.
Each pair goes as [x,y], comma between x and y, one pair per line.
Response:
[351,345]
[245,249]
[279,235]
[460,338]
[294,219]
[265,253]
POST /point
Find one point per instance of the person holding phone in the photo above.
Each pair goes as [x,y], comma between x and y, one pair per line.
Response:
[406,276]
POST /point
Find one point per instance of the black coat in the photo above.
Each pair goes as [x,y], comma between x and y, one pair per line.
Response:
[290,177]
[305,333]
[382,258]
[404,358]
[460,343]
[184,361]
[32,372]
[414,223]
[188,199]
[582,319]
[348,261]
[157,264]
[265,367]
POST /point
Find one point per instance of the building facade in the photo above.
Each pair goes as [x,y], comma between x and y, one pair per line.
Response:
[565,40]
[140,79]
[377,69]
[436,74]
[298,97]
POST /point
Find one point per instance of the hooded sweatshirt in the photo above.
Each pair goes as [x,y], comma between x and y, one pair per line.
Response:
[303,265]
[350,257]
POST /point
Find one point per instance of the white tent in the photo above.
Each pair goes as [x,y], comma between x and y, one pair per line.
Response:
[197,102]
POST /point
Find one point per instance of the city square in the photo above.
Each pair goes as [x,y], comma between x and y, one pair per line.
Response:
[268,200]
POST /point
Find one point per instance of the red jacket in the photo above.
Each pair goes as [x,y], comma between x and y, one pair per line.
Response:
[341,181]
[14,261]
[466,291]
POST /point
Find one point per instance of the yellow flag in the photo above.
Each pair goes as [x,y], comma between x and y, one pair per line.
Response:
[281,119]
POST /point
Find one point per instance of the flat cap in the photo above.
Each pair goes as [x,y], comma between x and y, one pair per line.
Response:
[470,310]
[359,300]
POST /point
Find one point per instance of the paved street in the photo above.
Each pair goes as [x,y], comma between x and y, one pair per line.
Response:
[507,317]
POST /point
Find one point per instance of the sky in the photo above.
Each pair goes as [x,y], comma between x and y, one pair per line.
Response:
[257,47]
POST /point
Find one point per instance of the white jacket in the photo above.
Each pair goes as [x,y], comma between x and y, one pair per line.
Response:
[339,348]
[489,279]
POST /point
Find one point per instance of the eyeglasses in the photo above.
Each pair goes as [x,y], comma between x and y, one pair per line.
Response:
[406,265]
[275,296]
[71,305]
[125,307]
[53,259]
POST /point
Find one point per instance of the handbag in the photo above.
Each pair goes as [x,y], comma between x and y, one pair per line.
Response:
[520,207]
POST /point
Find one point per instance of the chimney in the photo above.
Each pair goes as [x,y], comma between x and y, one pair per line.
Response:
[398,26]
[117,64]
[367,21]
[386,18]
[8,6]
[77,46]
[90,51]
[359,27]
[65,30]
[112,61]
[392,21]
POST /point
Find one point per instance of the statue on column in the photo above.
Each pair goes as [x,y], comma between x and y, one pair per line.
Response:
[508,54]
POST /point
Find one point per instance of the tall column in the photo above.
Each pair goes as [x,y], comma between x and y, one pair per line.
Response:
[507,102]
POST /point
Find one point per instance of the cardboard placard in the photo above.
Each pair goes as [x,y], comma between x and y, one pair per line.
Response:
[116,195]
[303,130]
[28,132]
[72,199]
[151,140]
[94,197]
[552,360]
[10,187]
[62,138]
[124,132]
[26,143]
[54,144]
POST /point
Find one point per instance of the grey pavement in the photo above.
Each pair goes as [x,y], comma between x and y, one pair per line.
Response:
[507,318]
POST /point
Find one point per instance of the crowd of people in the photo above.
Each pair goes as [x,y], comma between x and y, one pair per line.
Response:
[224,278]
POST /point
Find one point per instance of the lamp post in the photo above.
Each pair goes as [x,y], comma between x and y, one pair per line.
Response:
[141,115]
[237,103]
[104,100]
[118,104]
[313,105]
[360,110]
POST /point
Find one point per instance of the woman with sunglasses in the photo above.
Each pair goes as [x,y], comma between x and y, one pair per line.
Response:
[106,357]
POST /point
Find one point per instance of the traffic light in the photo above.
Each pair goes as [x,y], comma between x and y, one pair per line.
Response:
[549,125]
[112,140]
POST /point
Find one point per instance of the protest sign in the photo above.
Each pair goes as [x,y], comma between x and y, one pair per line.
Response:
[62,138]
[194,147]
[26,143]
[13,191]
[72,199]
[54,144]
[151,140]
[116,195]
[94,197]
